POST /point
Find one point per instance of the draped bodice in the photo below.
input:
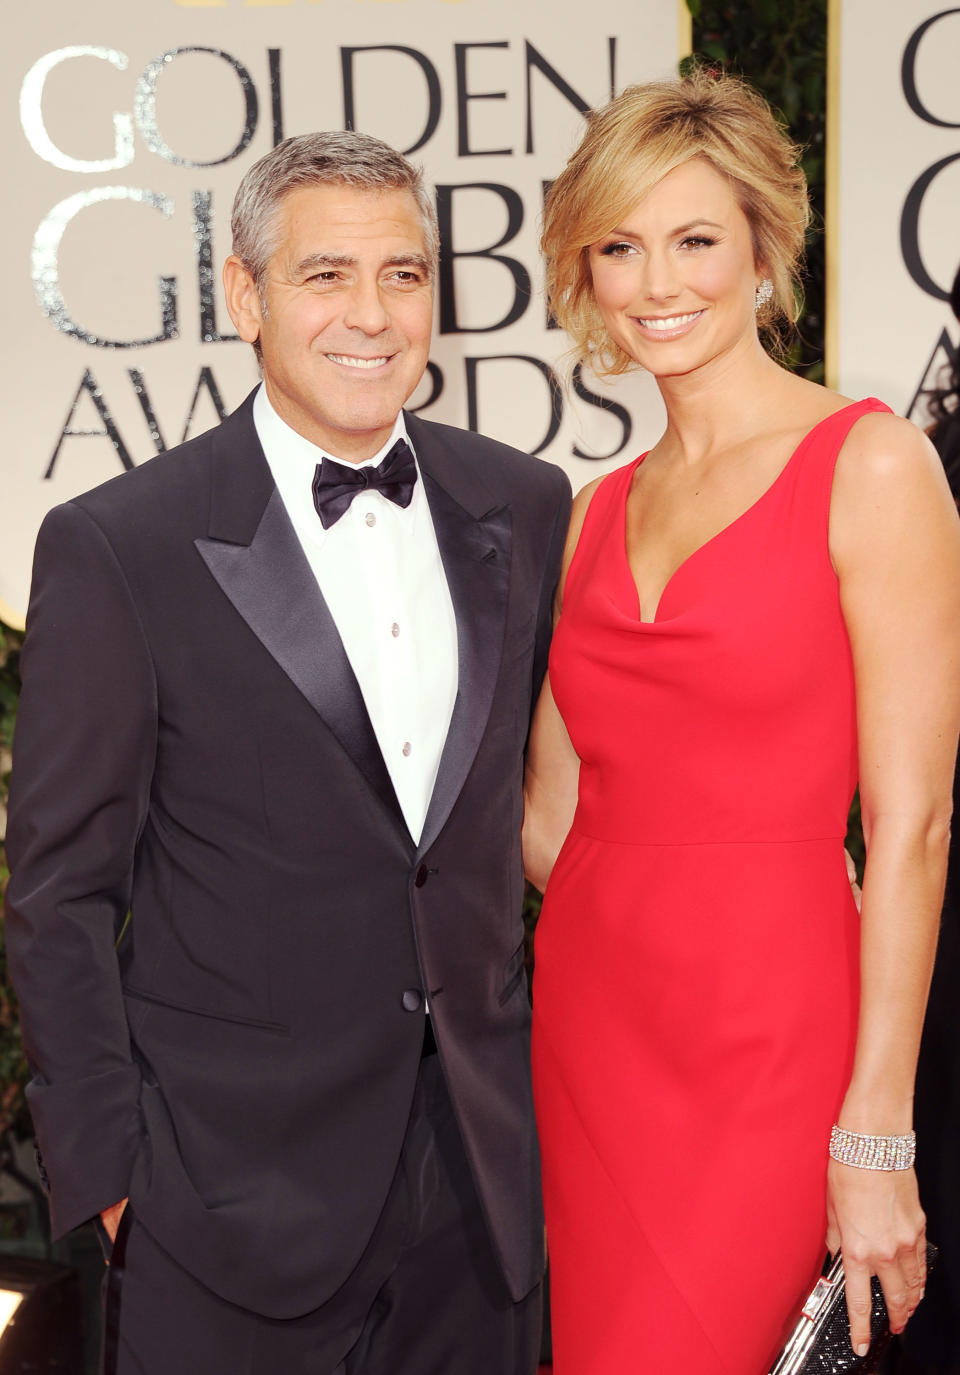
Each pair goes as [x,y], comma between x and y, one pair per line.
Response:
[731,671]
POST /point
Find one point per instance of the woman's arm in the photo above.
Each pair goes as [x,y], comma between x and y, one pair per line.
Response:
[552,766]
[549,789]
[895,543]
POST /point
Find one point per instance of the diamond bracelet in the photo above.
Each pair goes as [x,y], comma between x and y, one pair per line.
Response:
[873,1152]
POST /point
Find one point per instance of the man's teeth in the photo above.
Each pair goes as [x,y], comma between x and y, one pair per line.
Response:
[356,362]
[671,321]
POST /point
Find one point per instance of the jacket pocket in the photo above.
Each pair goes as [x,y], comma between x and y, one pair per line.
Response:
[140,995]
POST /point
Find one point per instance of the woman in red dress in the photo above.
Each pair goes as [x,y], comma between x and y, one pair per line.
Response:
[754,616]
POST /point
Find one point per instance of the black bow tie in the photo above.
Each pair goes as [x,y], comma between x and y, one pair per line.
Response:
[336,484]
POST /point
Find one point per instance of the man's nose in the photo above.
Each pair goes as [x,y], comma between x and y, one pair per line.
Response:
[366,309]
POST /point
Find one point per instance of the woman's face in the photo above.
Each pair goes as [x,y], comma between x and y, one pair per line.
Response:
[675,281]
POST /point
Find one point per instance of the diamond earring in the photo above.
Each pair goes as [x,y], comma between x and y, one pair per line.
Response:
[764,293]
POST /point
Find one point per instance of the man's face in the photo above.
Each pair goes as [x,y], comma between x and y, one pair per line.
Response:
[345,316]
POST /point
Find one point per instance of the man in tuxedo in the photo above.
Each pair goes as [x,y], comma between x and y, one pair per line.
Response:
[264,913]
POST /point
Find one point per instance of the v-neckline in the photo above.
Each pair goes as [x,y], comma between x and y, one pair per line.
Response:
[724,530]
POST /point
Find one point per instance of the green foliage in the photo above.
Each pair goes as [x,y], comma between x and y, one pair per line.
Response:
[780,47]
[10,641]
[13,1069]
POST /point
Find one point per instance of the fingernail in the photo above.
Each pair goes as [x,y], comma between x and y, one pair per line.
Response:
[863,1348]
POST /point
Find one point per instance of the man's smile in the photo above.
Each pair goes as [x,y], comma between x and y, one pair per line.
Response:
[351,361]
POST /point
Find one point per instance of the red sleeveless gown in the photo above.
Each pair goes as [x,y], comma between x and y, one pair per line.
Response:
[696,985]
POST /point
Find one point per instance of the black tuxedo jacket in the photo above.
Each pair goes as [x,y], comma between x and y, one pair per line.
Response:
[219,927]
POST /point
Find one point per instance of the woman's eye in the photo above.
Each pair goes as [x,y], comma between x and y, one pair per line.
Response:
[697,241]
[617,250]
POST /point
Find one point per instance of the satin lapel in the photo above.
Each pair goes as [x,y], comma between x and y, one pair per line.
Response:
[261,567]
[475,551]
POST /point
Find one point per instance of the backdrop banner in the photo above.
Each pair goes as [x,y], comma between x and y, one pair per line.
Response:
[135,124]
[893,245]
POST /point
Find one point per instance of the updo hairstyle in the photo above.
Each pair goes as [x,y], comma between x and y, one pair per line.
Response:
[633,142]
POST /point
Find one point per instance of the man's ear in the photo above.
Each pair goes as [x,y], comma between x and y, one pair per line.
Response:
[243,299]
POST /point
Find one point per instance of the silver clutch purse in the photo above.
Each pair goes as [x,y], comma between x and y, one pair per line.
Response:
[820,1342]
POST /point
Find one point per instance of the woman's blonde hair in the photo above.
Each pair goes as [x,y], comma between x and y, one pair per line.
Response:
[634,141]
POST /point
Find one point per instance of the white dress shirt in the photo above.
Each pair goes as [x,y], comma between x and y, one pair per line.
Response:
[379,570]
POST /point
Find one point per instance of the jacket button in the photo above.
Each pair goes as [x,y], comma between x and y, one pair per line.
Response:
[423,873]
[412,998]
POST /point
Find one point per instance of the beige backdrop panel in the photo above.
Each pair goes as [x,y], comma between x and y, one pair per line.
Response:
[893,214]
[135,125]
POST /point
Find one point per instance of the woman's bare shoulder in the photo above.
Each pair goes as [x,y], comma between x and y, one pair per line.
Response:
[883,449]
[581,502]
[890,502]
[878,443]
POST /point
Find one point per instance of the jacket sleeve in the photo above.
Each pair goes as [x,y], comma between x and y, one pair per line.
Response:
[84,754]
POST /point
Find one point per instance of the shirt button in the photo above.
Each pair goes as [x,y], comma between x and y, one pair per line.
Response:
[412,999]
[369,519]
[394,630]
[406,749]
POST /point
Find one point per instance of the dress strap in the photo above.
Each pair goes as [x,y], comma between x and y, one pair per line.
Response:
[604,512]
[813,474]
[839,425]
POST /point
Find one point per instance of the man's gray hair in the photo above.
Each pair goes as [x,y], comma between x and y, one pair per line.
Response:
[337,157]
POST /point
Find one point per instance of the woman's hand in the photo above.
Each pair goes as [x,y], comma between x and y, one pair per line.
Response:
[875,1218]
